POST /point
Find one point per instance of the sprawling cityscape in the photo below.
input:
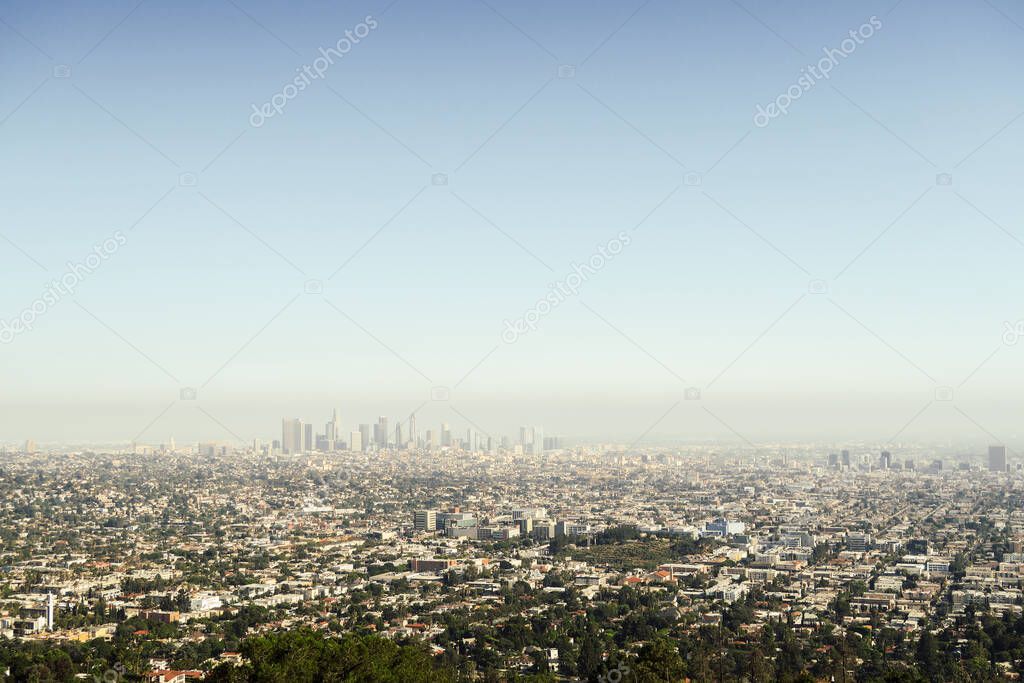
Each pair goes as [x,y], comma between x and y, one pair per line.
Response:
[511,341]
[447,558]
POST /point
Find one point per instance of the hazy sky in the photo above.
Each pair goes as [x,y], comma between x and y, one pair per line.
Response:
[109,112]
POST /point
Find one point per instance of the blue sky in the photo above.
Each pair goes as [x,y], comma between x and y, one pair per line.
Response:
[714,290]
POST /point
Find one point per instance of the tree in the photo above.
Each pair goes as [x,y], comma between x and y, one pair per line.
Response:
[659,662]
[928,656]
[305,656]
[589,663]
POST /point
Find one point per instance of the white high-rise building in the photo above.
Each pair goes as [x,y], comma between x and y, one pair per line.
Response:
[997,458]
[291,435]
[332,432]
[355,442]
[425,520]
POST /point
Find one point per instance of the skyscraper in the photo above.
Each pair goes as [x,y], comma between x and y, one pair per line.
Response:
[997,458]
[364,437]
[382,438]
[307,438]
[291,435]
[333,431]
[425,520]
[412,430]
[356,441]
[885,461]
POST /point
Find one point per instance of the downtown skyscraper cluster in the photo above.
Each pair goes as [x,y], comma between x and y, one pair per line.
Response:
[298,436]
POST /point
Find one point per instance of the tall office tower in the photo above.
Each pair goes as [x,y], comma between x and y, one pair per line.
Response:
[844,458]
[885,460]
[364,437]
[291,435]
[425,520]
[336,425]
[538,440]
[355,440]
[431,440]
[997,458]
[412,430]
[382,422]
[376,435]
[446,435]
[522,436]
[399,444]
[308,444]
[332,431]
[833,461]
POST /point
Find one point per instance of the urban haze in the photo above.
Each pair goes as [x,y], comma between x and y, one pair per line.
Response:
[494,341]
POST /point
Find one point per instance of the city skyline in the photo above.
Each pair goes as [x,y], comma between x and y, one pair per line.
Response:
[511,341]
